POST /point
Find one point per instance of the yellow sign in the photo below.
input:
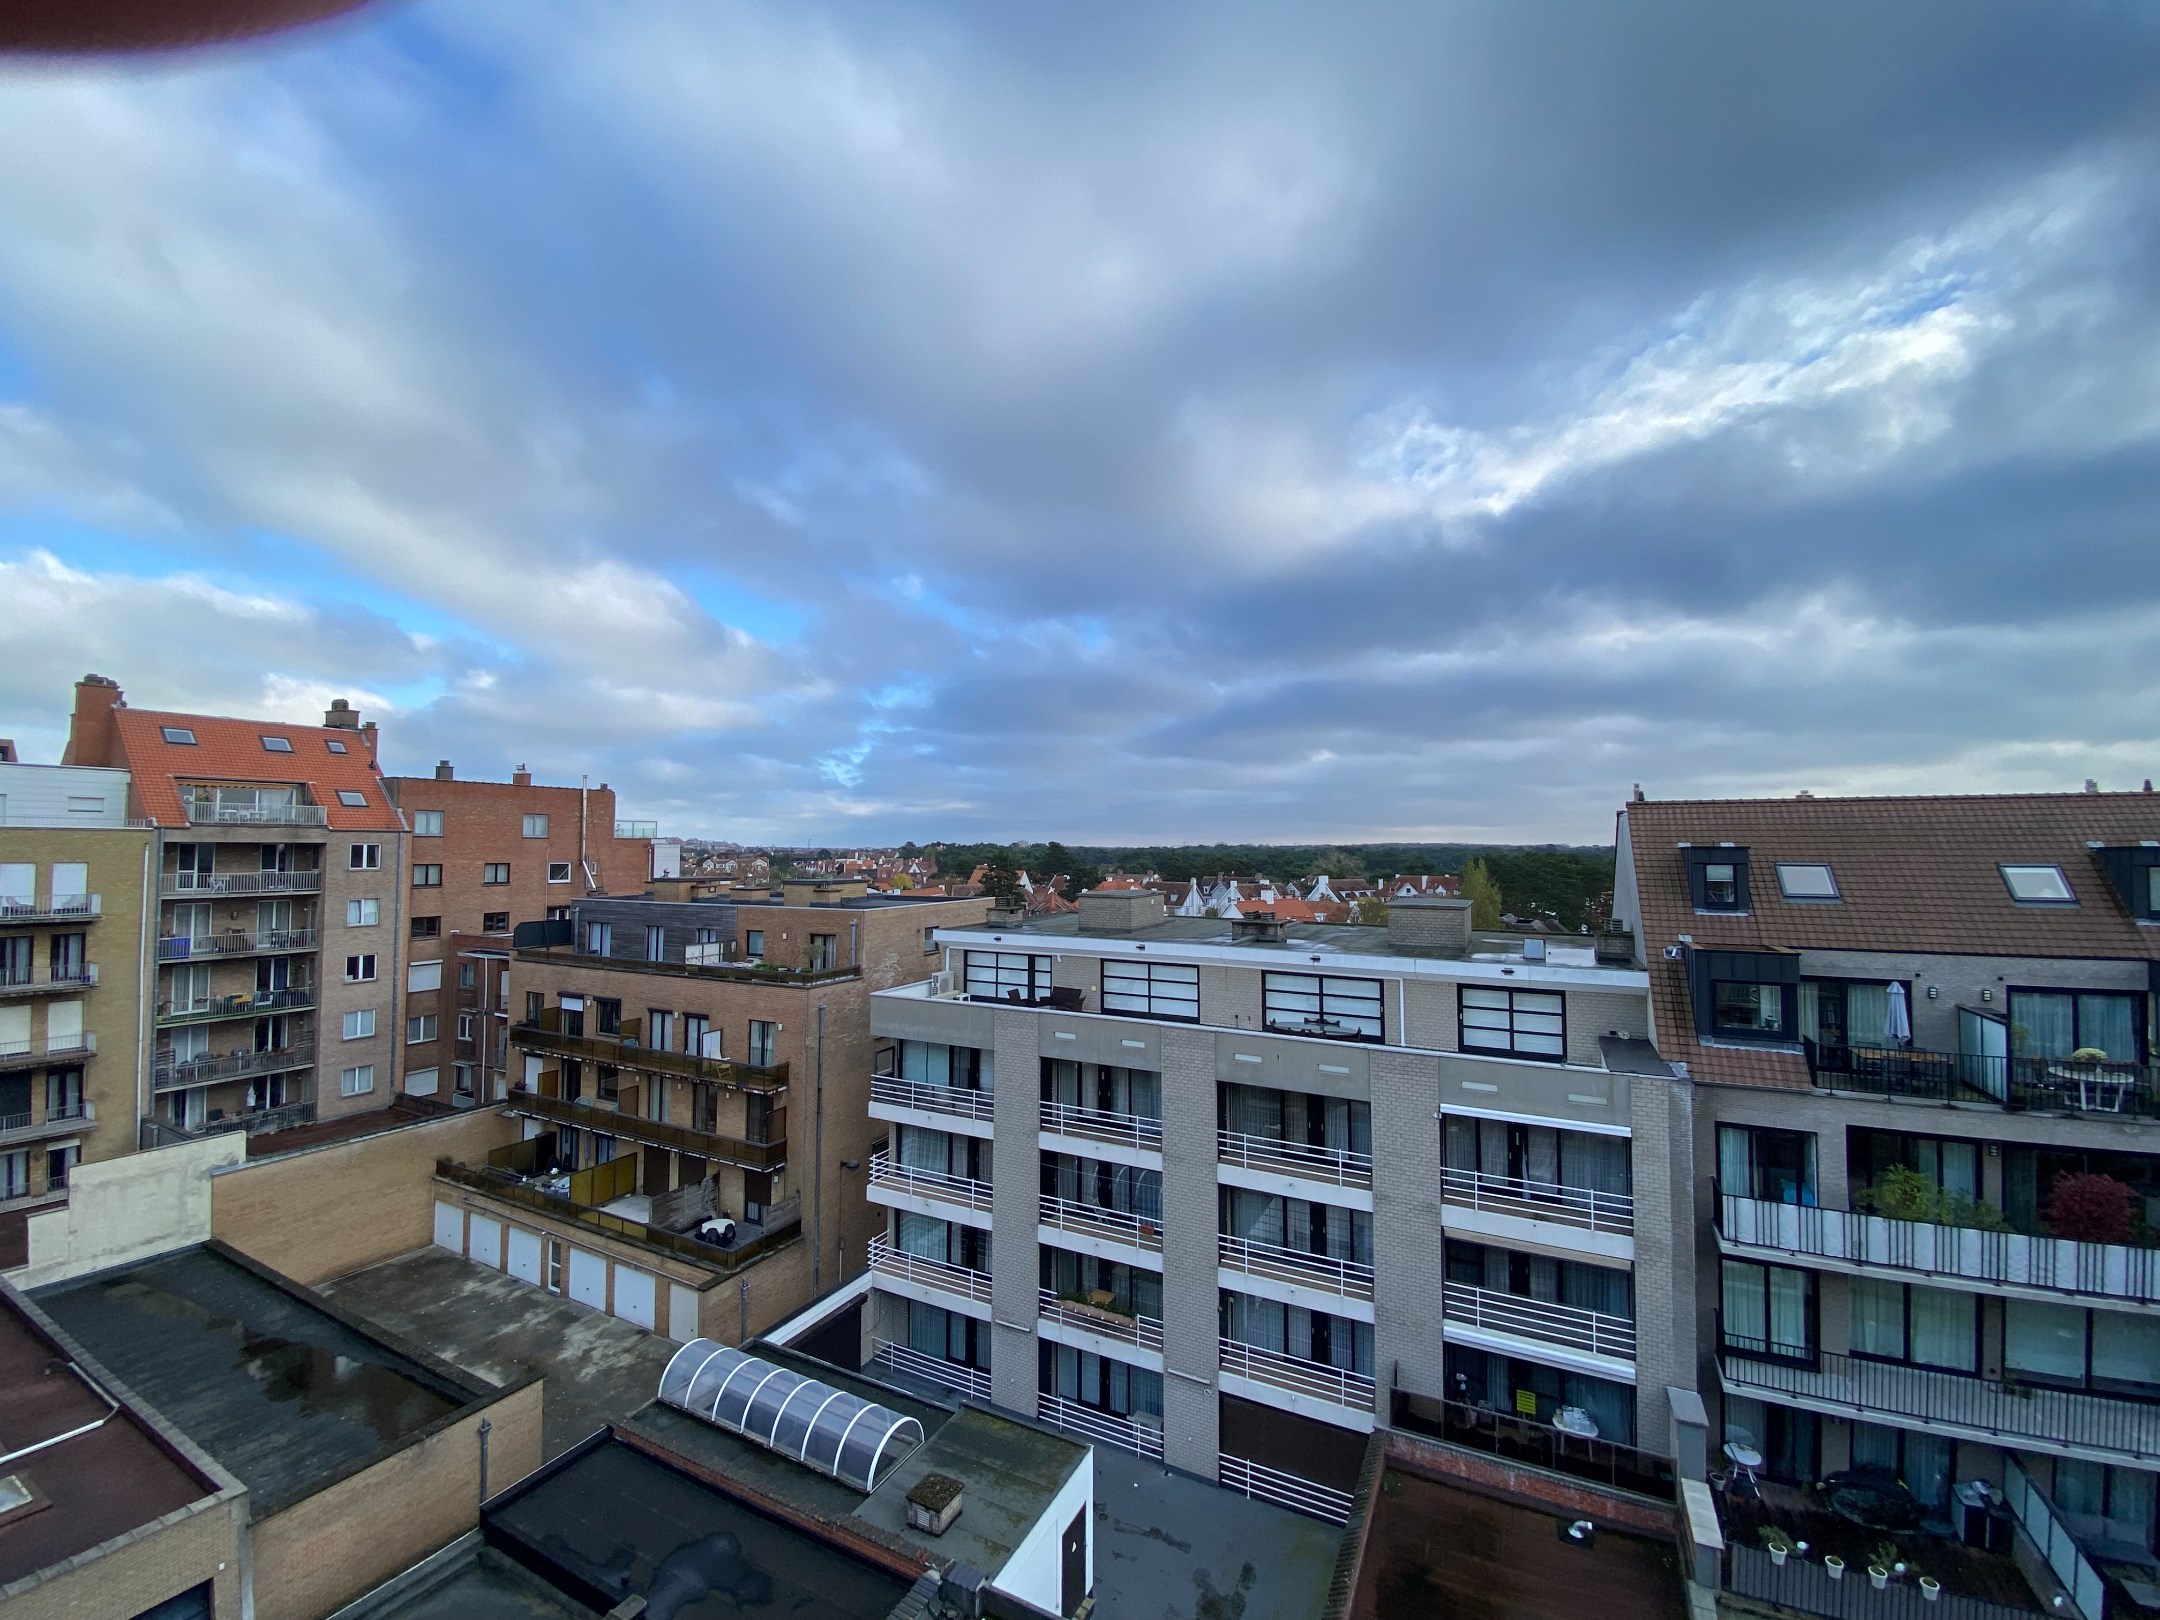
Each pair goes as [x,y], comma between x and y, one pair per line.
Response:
[1526,1402]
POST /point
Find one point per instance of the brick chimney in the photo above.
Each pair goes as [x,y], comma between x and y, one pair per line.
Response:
[443,772]
[521,777]
[342,715]
[93,739]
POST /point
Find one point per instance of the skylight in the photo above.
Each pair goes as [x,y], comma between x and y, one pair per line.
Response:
[1806,880]
[353,797]
[277,745]
[2039,885]
[333,745]
[178,734]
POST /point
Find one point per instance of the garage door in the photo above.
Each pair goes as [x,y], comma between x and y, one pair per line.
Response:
[634,1296]
[450,1227]
[588,1279]
[486,1246]
[525,1256]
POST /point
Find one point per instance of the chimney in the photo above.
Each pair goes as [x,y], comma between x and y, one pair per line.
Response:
[367,735]
[342,716]
[521,777]
[443,772]
[1259,928]
[1429,923]
[93,739]
[1120,911]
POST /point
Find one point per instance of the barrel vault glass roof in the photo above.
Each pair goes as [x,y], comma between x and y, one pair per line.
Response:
[853,1440]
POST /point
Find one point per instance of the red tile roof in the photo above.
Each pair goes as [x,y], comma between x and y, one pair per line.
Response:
[232,751]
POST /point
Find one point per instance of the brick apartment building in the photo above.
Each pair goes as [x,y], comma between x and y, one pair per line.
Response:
[486,856]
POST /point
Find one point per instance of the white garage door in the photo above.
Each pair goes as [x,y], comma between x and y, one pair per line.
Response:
[634,1296]
[486,1244]
[588,1279]
[525,1256]
[449,1227]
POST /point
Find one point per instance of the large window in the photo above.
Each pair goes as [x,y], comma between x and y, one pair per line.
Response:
[1756,1010]
[1007,976]
[1308,1004]
[2081,1349]
[1768,1311]
[1152,989]
[927,1063]
[427,823]
[1928,1327]
[1520,1023]
[1754,1162]
[2058,1023]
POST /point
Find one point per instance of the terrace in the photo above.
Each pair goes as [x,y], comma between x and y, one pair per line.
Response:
[766,1152]
[2056,1085]
[624,1050]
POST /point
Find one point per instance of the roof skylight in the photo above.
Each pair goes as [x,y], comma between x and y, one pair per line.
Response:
[277,745]
[352,797]
[333,745]
[178,734]
[1806,880]
[2038,885]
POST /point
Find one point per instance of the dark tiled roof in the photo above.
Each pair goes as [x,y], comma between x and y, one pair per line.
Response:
[232,751]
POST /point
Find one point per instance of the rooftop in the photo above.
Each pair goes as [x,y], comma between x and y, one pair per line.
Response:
[279,1389]
[225,750]
[1012,1471]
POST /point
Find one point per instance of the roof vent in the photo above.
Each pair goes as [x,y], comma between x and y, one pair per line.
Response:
[1259,928]
[443,772]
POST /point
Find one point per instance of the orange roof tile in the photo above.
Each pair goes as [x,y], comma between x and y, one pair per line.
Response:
[227,750]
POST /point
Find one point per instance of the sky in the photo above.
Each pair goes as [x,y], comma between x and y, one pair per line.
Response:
[835,423]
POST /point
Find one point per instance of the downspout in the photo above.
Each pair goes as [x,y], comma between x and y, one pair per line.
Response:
[817,1168]
[111,1406]
[584,810]
[486,1428]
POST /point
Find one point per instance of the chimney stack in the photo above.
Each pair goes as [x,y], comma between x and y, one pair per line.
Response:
[93,739]
[1429,924]
[367,735]
[342,716]
[443,772]
[521,777]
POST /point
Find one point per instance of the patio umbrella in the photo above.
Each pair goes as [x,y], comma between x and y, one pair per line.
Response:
[1897,1017]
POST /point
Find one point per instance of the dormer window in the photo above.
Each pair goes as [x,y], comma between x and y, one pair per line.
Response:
[2133,870]
[1806,880]
[1718,877]
[2038,885]
[178,734]
[277,745]
[1721,885]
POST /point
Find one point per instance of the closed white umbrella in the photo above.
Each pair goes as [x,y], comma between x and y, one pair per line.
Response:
[1897,1016]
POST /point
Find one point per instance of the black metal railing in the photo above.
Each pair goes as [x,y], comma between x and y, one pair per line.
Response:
[755,1153]
[628,1054]
[1540,1445]
[2037,1084]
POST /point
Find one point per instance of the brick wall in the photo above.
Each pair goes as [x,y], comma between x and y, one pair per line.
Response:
[1592,1013]
[1230,997]
[199,1543]
[1663,1149]
[385,941]
[1532,1486]
[1430,1015]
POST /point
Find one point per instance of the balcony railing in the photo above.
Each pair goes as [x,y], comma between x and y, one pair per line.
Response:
[61,908]
[2056,1265]
[66,982]
[2053,1539]
[212,808]
[589,1115]
[243,1004]
[1098,1125]
[1317,1379]
[1548,1322]
[510,1189]
[1528,1200]
[1350,1279]
[76,1116]
[1984,1408]
[2036,1084]
[890,1091]
[1095,1221]
[1521,1438]
[190,884]
[1803,1586]
[972,1382]
[201,947]
[885,1176]
[1292,1491]
[1337,1166]
[1104,1428]
[52,1049]
[168,1074]
[925,1272]
[630,1055]
[1143,1332]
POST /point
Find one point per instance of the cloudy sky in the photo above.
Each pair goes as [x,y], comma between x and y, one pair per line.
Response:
[847,423]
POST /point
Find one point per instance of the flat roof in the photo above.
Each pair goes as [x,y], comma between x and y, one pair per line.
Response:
[119,1475]
[257,1372]
[1576,951]
[1012,1471]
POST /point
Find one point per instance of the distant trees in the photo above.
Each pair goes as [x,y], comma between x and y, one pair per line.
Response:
[1370,910]
[1483,894]
[1001,881]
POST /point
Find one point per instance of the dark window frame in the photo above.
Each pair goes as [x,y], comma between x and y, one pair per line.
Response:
[1746,1349]
[1377,1002]
[1512,1049]
[1700,858]
[1161,998]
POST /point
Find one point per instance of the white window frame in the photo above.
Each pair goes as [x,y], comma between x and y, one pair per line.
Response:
[356,1081]
[422,1028]
[558,872]
[359,1024]
[464,1026]
[363,857]
[1786,885]
[363,913]
[360,968]
[352,798]
[420,976]
[427,823]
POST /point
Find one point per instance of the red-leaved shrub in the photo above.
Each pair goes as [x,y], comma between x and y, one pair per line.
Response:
[2090,1208]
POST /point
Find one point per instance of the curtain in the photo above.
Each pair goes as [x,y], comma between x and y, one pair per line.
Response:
[1599,1163]
[2043,1026]
[2130,1506]
[1878,1318]
[1462,1143]
[1944,1329]
[923,1235]
[1788,1301]
[1874,1446]
[919,1149]
[1253,1111]
[1611,1406]
[1596,1288]
[927,1331]
[1742,1297]
[1256,1217]
[1867,1009]
[1541,1159]
[2046,1340]
[1810,1010]
[2126,1350]
[1064,1082]
[2108,1022]
[2080,1487]
[1735,1161]
[1260,1322]
[1927,1467]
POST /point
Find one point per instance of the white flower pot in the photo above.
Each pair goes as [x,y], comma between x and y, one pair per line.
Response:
[1878,1577]
[1778,1554]
[1931,1588]
[1834,1567]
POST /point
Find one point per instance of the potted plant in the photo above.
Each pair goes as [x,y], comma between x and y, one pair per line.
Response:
[1834,1567]
[1931,1588]
[1882,1559]
[1778,1542]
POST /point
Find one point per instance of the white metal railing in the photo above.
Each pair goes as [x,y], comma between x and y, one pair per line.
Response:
[75,1115]
[1099,1125]
[233,942]
[193,883]
[1569,1325]
[170,1074]
[921,1269]
[1351,1279]
[24,908]
[1298,1375]
[1105,1428]
[1093,1220]
[223,809]
[1539,1200]
[1292,1491]
[1338,1166]
[937,1184]
[2056,1545]
[17,1053]
[1144,1332]
[63,982]
[970,1381]
[894,1092]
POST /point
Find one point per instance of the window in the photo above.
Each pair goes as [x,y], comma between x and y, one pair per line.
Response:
[699,1038]
[599,938]
[60,1163]
[929,941]
[764,1043]
[558,913]
[536,826]
[495,922]
[363,857]
[421,976]
[1768,1311]
[420,1029]
[495,873]
[1154,989]
[824,952]
[607,1085]
[1007,976]
[356,1081]
[427,875]
[558,872]
[427,928]
[1717,877]
[535,1005]
[1926,1327]
[2038,885]
[1756,1162]
[422,1082]
[352,798]
[2065,1345]
[1307,1004]
[1747,1009]
[464,1026]
[360,969]
[608,1009]
[178,734]
[467,976]
[463,1078]
[1806,880]
[427,824]
[334,745]
[708,936]
[277,745]
[754,944]
[659,1029]
[362,913]
[1520,1023]
[360,1025]
[2060,1023]
[655,943]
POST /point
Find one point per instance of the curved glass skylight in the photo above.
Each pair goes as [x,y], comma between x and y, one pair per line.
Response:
[854,1440]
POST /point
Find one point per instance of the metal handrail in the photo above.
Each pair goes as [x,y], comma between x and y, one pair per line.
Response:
[1350,1279]
[197,947]
[893,1092]
[16,1127]
[169,1074]
[1298,1375]
[24,908]
[1094,1220]
[1106,1428]
[190,884]
[1293,1491]
[1144,1331]
[83,977]
[587,1114]
[20,1054]
[216,809]
[1539,1200]
[1101,1125]
[969,1381]
[928,1183]
[294,998]
[1548,1321]
[1338,1166]
[965,1281]
[629,1055]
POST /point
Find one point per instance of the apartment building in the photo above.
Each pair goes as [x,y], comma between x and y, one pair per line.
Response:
[1919,1033]
[1231,1193]
[279,863]
[75,902]
[484,856]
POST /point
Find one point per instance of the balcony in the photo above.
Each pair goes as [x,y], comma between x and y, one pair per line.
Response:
[1071,1216]
[972,1382]
[628,1054]
[156,1133]
[1293,1491]
[590,1115]
[203,947]
[1104,1428]
[231,807]
[954,1102]
[188,885]
[1095,1125]
[22,910]
[76,1117]
[1316,1380]
[941,1276]
[2011,1260]
[1345,1279]
[1581,1207]
[1104,1321]
[2029,1084]
[166,1074]
[66,982]
[245,1004]
[2032,1416]
[936,1185]
[1338,1167]
[1569,1326]
[505,1185]
[62,1049]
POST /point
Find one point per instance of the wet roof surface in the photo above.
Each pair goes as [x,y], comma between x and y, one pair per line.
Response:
[1012,1472]
[489,1586]
[280,1392]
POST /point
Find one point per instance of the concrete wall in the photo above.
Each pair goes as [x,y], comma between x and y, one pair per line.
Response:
[1192,1415]
[1035,1573]
[1015,1184]
[1667,1281]
[201,1542]
[128,1209]
[1407,1224]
